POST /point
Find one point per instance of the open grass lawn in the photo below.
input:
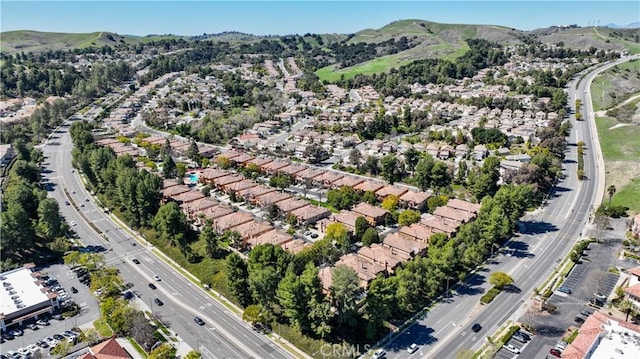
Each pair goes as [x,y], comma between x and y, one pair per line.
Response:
[628,196]
[102,328]
[379,65]
[615,85]
[619,144]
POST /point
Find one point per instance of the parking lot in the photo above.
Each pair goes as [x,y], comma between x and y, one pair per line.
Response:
[504,353]
[60,275]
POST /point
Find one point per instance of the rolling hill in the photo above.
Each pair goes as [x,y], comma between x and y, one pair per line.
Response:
[36,41]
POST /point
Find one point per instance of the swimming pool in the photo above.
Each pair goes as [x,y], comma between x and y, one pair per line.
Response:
[193,177]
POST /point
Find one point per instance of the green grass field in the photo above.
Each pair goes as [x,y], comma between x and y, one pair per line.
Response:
[619,144]
[381,64]
[628,196]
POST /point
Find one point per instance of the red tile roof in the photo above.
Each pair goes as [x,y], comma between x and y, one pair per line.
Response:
[368,210]
[274,237]
[391,190]
[463,205]
[109,349]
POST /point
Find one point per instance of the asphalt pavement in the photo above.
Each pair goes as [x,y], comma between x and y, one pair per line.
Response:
[225,335]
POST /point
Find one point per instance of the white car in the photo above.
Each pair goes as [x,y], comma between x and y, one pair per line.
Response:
[51,341]
[32,348]
[512,348]
[24,352]
[73,223]
[156,278]
[379,354]
[412,348]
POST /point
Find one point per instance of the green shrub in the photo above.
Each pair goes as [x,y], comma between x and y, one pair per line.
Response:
[505,338]
[489,295]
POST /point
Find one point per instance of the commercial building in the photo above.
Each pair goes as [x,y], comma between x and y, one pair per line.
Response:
[23,296]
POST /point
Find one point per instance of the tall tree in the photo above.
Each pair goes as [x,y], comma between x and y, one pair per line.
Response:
[345,291]
[169,168]
[171,223]
[49,219]
[211,240]
[611,190]
[422,173]
[237,278]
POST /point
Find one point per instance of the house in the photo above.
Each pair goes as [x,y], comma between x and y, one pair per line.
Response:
[290,204]
[241,160]
[166,183]
[464,205]
[480,152]
[295,246]
[307,174]
[436,225]
[415,200]
[239,186]
[170,192]
[275,237]
[188,197]
[368,186]
[267,199]
[416,232]
[212,213]
[272,168]
[383,256]
[251,193]
[445,152]
[389,190]
[374,215]
[402,246]
[222,182]
[635,226]
[347,218]
[310,214]
[327,178]
[225,223]
[461,150]
[208,175]
[347,181]
[366,270]
[432,149]
[291,169]
[453,217]
[191,208]
[632,292]
[522,157]
[260,161]
[108,349]
[252,229]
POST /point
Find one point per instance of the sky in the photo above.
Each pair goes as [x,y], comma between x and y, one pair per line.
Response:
[301,16]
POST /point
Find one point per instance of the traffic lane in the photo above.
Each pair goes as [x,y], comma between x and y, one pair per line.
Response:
[199,303]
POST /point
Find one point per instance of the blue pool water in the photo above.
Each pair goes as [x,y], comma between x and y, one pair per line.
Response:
[193,177]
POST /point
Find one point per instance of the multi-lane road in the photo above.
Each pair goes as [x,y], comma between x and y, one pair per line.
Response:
[529,258]
[223,336]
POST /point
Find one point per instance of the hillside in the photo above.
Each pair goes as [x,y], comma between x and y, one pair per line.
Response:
[35,41]
[434,40]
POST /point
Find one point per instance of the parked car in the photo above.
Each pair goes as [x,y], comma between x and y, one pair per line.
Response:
[51,341]
[412,348]
[57,317]
[564,290]
[585,312]
[158,302]
[519,337]
[379,354]
[74,290]
[198,321]
[152,286]
[16,332]
[555,352]
[135,261]
[32,348]
[512,348]
[42,344]
[42,322]
[561,345]
[33,326]
[578,319]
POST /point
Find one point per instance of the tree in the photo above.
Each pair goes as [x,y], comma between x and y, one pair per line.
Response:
[253,314]
[193,354]
[355,157]
[500,279]
[291,296]
[370,198]
[237,278]
[193,151]
[422,172]
[141,330]
[210,238]
[338,232]
[411,157]
[181,170]
[371,165]
[171,223]
[390,202]
[602,224]
[370,237]
[361,226]
[391,168]
[49,219]
[169,168]
[611,190]
[408,217]
[320,316]
[626,306]
[345,291]
[380,302]
[280,181]
[440,177]
[164,351]
[222,162]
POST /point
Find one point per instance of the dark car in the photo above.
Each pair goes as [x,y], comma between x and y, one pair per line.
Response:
[585,312]
[519,337]
[555,352]
[58,337]
[476,327]
[198,321]
[74,290]
[578,319]
[564,290]
[152,286]
[135,261]
[129,285]
[158,302]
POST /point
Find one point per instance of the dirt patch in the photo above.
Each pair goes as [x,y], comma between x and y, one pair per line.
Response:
[620,173]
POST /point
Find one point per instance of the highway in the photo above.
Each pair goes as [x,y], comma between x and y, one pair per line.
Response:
[530,257]
[223,336]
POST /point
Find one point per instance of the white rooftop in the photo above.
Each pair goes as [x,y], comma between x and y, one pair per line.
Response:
[19,284]
[617,342]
